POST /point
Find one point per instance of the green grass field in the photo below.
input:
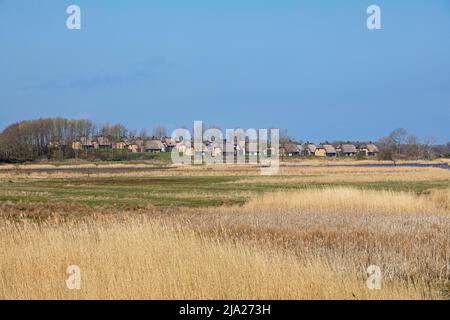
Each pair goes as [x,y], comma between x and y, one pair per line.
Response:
[186,191]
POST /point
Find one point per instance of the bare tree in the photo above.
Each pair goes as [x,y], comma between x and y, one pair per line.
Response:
[412,147]
[397,138]
[427,145]
[30,140]
[159,132]
[117,132]
[284,137]
[143,134]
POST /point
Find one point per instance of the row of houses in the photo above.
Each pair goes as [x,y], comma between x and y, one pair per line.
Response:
[133,145]
[154,145]
[226,148]
[328,150]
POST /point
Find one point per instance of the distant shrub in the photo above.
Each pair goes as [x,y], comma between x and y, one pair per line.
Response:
[386,154]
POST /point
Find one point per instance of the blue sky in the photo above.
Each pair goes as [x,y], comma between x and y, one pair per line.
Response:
[309,66]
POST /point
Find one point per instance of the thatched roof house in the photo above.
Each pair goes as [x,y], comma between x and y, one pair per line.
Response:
[348,150]
[310,149]
[154,146]
[325,150]
[290,149]
[370,150]
[169,144]
[82,143]
[121,144]
[101,142]
[135,145]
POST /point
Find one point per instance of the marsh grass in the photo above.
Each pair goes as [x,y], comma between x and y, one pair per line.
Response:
[196,187]
[345,199]
[226,233]
[133,258]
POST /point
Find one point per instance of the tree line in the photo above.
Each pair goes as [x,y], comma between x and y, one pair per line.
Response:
[31,140]
[52,138]
[400,144]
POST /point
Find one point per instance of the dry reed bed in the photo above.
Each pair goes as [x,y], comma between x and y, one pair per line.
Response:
[342,199]
[171,171]
[133,258]
[307,173]
[405,234]
[323,174]
[304,244]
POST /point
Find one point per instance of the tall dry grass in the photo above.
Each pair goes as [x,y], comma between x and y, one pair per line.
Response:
[133,258]
[341,199]
[405,234]
[308,244]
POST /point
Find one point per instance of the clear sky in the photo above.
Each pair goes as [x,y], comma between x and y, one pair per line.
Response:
[309,66]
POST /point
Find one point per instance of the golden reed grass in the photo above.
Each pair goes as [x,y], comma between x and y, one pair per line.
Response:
[132,258]
[404,233]
[309,244]
[355,201]
[306,173]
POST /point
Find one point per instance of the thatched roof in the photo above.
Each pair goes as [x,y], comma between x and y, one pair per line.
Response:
[311,147]
[329,148]
[348,148]
[154,145]
[170,142]
[291,147]
[370,147]
[136,141]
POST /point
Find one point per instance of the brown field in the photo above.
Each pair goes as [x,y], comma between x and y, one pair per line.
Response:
[174,233]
